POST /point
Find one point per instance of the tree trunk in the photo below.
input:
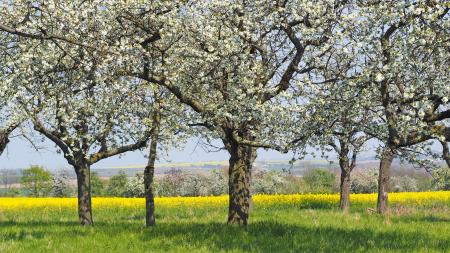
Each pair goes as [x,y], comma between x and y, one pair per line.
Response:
[3,141]
[240,166]
[347,162]
[383,180]
[344,202]
[445,152]
[84,194]
[149,173]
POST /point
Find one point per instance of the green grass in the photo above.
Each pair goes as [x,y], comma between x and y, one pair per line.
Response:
[272,229]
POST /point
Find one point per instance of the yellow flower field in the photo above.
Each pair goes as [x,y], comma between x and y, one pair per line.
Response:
[410,198]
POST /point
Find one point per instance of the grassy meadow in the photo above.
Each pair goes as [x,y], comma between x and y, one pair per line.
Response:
[289,223]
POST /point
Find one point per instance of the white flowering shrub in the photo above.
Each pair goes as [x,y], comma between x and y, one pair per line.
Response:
[169,184]
[268,182]
[61,185]
[403,184]
[218,182]
[135,187]
[364,180]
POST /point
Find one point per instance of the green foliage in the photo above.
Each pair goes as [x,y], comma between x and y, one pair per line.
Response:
[117,185]
[294,184]
[424,183]
[37,181]
[97,185]
[10,192]
[319,180]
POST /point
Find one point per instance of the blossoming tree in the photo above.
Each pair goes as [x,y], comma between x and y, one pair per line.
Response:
[88,115]
[337,123]
[406,67]
[80,93]
[241,67]
[234,64]
[10,116]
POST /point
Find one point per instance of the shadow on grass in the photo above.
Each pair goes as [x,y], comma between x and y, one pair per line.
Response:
[275,237]
[426,219]
[264,236]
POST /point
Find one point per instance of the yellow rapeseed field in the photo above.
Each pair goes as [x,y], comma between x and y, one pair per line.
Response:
[409,198]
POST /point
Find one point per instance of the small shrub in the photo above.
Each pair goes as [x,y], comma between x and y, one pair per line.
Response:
[364,181]
[218,182]
[117,185]
[293,184]
[134,188]
[319,180]
[265,182]
[37,181]
[195,185]
[60,185]
[97,185]
[169,184]
[403,184]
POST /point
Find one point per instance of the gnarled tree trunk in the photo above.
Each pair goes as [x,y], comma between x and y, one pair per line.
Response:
[240,166]
[344,202]
[383,179]
[82,170]
[347,167]
[3,141]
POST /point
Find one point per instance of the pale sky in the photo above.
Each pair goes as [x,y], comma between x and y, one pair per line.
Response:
[20,154]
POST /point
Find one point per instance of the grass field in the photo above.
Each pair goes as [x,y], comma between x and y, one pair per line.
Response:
[197,225]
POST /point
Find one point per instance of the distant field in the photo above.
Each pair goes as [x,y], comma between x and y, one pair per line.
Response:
[418,222]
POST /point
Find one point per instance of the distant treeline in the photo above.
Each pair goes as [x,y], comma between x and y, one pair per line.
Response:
[39,182]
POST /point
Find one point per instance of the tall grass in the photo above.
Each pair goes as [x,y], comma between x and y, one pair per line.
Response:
[184,228]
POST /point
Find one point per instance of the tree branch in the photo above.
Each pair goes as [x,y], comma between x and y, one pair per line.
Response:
[42,37]
[38,126]
[182,97]
[119,150]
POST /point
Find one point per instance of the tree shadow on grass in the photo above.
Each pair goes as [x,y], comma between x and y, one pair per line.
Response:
[264,236]
[270,236]
[426,219]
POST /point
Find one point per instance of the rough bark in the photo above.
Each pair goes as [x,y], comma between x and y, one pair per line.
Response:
[445,152]
[347,165]
[84,194]
[3,142]
[4,135]
[149,172]
[345,186]
[383,179]
[240,166]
